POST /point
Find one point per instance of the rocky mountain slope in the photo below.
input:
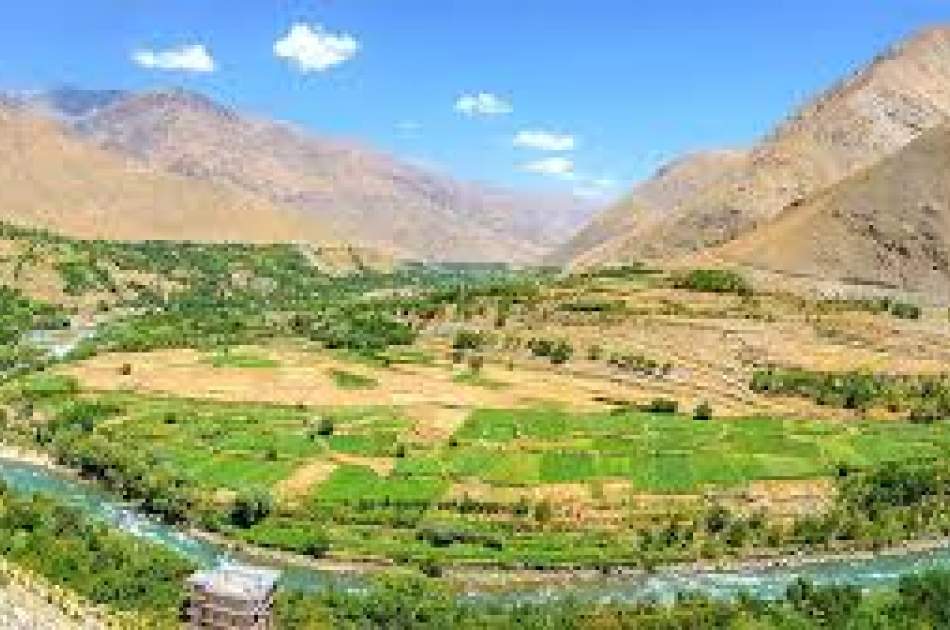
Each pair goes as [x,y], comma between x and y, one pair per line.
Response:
[673,185]
[362,195]
[887,224]
[53,180]
[856,123]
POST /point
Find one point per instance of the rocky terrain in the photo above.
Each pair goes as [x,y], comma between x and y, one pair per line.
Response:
[853,125]
[888,224]
[27,602]
[673,185]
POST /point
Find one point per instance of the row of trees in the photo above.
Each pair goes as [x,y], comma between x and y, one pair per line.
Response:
[926,397]
[919,601]
[897,308]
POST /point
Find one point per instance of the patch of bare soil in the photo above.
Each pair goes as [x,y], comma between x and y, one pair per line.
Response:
[382,466]
[307,476]
[782,499]
[433,424]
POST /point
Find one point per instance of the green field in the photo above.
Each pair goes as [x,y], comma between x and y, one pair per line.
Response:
[225,445]
[231,445]
[672,453]
[177,455]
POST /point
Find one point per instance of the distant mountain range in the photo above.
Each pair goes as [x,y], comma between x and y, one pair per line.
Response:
[843,188]
[301,185]
[854,185]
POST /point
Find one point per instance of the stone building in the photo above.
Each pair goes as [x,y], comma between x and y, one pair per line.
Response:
[233,597]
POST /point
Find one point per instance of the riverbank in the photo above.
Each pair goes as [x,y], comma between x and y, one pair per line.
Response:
[491,577]
[31,457]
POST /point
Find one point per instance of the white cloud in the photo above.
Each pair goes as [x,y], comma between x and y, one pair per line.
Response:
[315,49]
[191,58]
[482,104]
[560,167]
[544,140]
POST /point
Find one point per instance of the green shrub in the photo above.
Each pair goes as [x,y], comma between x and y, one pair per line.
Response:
[561,352]
[639,364]
[661,405]
[713,281]
[592,306]
[904,310]
[251,507]
[350,380]
[702,412]
[325,426]
[557,351]
[469,340]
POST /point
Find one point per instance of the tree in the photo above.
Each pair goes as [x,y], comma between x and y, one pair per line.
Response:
[251,507]
[703,411]
[325,426]
[475,363]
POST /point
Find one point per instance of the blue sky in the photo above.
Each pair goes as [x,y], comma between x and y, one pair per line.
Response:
[631,83]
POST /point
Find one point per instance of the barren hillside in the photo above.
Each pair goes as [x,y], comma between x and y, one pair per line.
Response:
[887,224]
[856,123]
[50,179]
[672,186]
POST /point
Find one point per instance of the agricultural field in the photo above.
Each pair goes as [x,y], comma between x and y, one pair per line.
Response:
[443,416]
[522,485]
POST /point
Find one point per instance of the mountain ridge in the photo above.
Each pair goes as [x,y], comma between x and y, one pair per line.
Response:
[361,194]
[858,121]
[51,179]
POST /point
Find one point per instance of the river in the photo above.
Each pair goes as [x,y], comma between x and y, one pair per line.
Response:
[662,585]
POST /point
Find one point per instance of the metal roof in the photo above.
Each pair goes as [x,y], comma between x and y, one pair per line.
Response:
[235,580]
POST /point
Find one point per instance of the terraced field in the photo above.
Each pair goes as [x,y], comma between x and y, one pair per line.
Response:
[529,484]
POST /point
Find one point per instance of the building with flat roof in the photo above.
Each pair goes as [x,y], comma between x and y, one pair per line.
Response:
[234,597]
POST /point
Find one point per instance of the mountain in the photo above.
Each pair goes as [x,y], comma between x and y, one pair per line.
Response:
[53,180]
[866,117]
[887,224]
[673,185]
[66,103]
[362,195]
